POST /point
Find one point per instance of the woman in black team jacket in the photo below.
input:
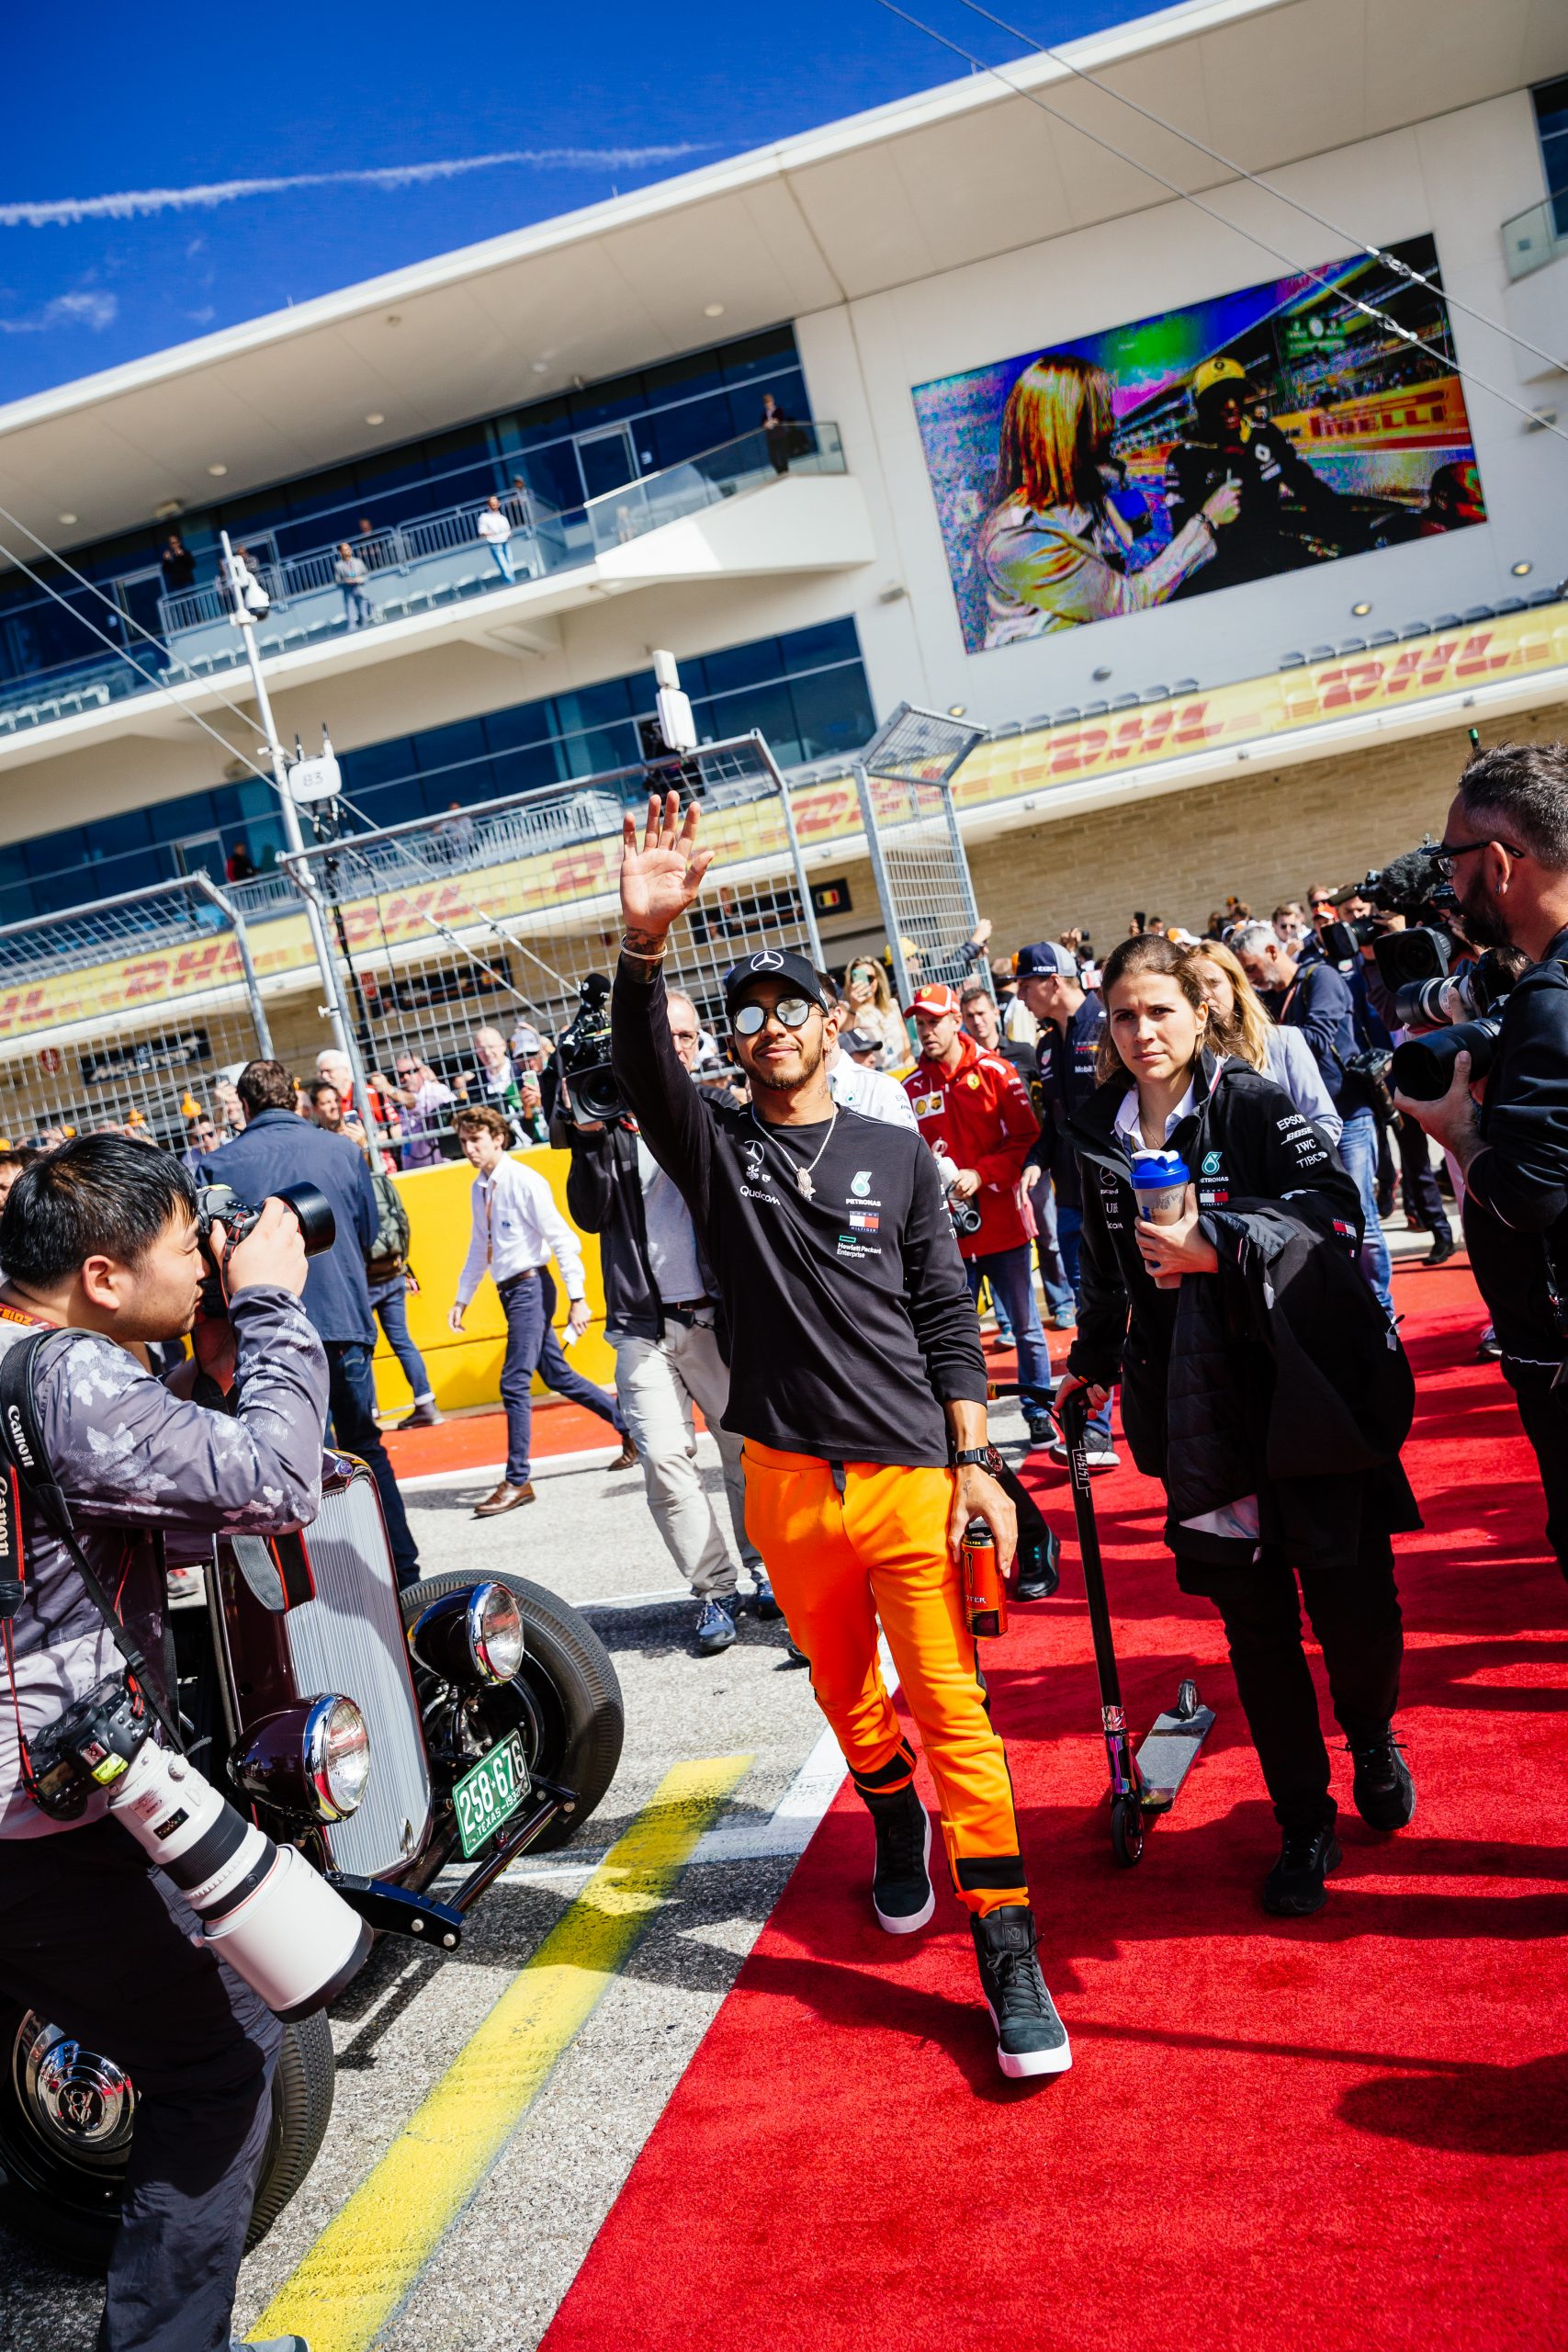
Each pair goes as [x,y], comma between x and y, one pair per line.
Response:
[1266,1390]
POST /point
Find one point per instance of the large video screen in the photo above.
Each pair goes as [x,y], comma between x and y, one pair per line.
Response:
[1284,425]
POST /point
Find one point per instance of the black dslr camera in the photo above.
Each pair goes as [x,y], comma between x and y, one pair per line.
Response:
[220,1205]
[582,1055]
[1417,966]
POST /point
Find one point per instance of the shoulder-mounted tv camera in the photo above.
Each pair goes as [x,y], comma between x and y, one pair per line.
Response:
[582,1055]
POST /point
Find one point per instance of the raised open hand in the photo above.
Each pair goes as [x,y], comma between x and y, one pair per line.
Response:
[660,878]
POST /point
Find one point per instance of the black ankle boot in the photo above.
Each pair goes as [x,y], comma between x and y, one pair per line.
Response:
[1295,1886]
[901,1886]
[1031,2037]
[1384,1790]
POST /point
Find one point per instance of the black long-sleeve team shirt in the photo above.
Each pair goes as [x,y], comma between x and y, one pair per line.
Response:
[1516,1201]
[850,1320]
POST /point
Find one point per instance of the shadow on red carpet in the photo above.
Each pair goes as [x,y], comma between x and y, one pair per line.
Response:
[1341,2135]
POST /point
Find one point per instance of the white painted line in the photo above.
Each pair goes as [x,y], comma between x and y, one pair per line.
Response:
[788,1830]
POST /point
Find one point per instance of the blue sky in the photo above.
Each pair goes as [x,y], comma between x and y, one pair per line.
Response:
[185,99]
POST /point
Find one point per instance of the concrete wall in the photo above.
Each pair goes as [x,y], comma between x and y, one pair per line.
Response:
[1266,837]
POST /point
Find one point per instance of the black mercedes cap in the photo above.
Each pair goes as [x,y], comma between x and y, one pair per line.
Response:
[772,964]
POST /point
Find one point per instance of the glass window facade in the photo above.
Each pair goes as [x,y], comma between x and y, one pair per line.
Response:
[1551,123]
[669,413]
[806,691]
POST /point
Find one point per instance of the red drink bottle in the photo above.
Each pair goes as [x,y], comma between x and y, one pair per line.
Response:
[985,1595]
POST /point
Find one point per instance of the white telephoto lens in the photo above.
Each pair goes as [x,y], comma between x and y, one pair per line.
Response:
[262,1908]
[293,1938]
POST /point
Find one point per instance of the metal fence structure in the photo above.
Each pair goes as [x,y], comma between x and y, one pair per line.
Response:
[904,780]
[493,917]
[131,1012]
[126,1013]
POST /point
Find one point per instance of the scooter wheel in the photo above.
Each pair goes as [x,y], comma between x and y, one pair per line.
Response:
[1127,1830]
[1187,1702]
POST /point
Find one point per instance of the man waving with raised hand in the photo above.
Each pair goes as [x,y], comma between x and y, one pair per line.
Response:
[858,1386]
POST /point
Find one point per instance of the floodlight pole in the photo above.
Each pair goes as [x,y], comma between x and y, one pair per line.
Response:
[334,1008]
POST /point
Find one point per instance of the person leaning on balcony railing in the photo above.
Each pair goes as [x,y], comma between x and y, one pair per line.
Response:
[350,574]
[495,529]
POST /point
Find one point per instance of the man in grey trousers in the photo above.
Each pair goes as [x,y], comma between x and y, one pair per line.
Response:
[661,1320]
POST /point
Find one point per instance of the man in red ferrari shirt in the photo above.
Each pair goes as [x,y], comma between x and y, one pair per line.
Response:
[973,1110]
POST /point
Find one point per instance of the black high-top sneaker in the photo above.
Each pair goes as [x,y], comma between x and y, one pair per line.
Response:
[1295,1886]
[901,1892]
[1382,1787]
[1031,2037]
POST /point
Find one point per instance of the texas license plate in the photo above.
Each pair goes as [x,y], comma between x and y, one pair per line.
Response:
[488,1795]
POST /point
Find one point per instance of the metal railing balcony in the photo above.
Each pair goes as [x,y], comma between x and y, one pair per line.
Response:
[416,567]
[1532,239]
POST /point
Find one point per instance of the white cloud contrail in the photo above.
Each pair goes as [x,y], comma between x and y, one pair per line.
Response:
[62,211]
[85,308]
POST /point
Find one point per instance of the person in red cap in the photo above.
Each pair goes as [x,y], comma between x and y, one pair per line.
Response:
[974,1110]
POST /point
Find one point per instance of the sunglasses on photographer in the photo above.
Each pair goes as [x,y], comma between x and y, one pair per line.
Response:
[794,1012]
[1443,854]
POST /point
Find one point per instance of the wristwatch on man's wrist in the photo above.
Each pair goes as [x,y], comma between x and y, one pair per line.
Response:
[974,1457]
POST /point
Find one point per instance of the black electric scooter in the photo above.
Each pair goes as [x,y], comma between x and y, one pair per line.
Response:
[1145,1784]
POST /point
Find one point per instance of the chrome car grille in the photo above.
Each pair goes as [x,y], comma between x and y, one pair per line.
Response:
[349,1637]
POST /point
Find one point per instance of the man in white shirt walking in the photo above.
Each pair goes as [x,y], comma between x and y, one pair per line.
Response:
[516,1230]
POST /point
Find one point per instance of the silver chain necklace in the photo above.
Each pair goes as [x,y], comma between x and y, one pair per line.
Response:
[803,1183]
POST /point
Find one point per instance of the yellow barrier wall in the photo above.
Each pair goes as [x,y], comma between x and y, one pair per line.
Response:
[465,1367]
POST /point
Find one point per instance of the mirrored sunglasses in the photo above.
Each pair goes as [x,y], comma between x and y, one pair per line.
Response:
[795,1012]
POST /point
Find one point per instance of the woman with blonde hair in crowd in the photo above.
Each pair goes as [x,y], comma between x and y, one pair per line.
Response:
[870,999]
[1052,551]
[1243,1027]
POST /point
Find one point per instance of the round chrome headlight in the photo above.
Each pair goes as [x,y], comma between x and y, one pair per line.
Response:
[495,1632]
[337,1756]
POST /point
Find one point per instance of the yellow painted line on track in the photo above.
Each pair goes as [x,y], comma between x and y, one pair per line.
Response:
[364,2262]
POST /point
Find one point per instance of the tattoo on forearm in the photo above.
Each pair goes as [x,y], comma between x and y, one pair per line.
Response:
[643,953]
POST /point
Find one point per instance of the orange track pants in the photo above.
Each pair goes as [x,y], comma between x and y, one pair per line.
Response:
[846,1544]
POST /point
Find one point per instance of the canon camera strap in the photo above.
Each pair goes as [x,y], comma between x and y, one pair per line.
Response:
[28,1470]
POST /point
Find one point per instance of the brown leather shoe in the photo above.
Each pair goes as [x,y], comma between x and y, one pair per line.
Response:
[505,1497]
[628,1458]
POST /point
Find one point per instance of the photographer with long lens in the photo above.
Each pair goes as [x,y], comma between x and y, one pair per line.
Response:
[1505,848]
[858,1383]
[277,1149]
[100,1244]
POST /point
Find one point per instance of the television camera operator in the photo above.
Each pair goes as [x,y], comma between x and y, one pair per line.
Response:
[100,1244]
[1505,849]
[858,1383]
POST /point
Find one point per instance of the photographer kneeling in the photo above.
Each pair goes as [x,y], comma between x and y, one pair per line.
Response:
[1505,848]
[99,1242]
[1262,1387]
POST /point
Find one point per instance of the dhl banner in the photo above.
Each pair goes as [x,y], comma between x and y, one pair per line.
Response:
[554,883]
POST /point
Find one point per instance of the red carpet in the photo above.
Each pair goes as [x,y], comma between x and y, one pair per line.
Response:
[1342,2135]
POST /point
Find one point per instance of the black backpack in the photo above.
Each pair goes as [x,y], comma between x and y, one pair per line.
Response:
[388,1252]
